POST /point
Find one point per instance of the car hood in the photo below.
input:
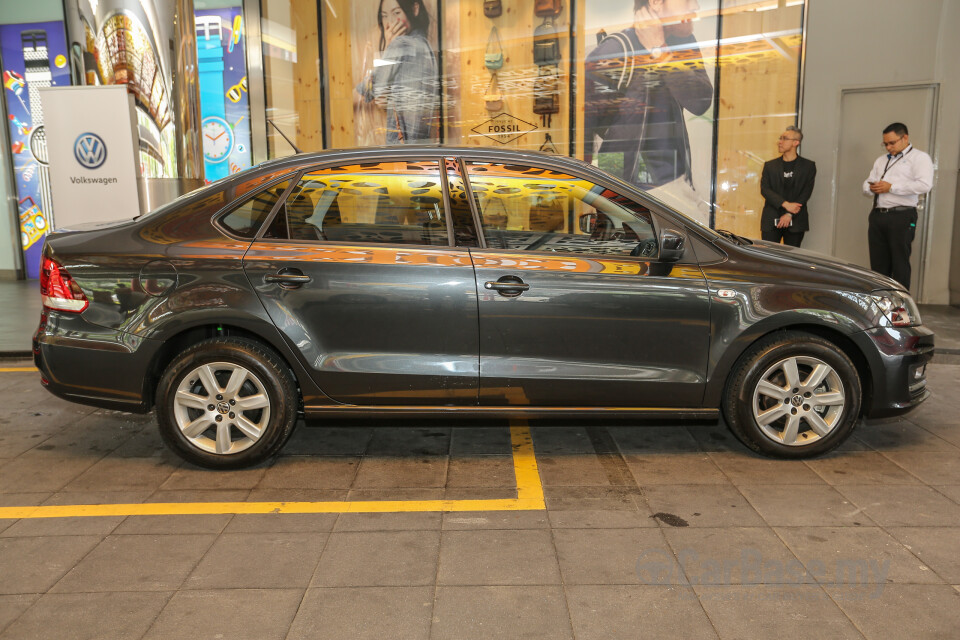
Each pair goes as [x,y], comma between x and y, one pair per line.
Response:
[846,274]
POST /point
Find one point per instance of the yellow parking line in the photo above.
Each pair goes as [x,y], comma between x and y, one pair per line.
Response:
[11,369]
[529,498]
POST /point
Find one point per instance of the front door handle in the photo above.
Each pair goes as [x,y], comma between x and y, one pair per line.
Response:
[288,278]
[507,286]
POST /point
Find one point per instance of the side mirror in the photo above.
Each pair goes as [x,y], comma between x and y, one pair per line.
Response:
[672,245]
[588,223]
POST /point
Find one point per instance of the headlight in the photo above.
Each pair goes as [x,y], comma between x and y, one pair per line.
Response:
[897,307]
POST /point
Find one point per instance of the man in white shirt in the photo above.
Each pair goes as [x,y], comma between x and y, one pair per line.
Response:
[896,182]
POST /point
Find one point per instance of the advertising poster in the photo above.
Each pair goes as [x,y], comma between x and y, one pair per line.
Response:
[224,102]
[396,71]
[34,56]
[649,97]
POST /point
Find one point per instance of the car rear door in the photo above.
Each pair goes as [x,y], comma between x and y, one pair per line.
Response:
[573,316]
[358,270]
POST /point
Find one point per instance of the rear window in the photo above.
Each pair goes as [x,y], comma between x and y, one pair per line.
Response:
[246,219]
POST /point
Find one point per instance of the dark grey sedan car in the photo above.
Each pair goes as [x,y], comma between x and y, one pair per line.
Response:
[454,281]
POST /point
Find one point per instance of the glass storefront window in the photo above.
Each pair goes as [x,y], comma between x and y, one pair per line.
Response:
[291,66]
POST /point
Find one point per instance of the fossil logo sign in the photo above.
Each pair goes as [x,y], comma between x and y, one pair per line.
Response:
[504,128]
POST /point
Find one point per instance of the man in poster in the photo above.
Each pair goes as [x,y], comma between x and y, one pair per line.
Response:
[640,81]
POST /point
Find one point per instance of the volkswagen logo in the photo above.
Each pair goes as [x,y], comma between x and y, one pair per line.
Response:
[90,150]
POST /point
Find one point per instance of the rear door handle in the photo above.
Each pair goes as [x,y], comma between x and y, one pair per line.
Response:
[507,286]
[288,278]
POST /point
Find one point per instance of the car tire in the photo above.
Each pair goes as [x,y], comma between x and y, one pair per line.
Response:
[785,420]
[253,396]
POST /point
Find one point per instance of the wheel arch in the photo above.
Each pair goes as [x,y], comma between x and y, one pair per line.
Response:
[721,374]
[186,337]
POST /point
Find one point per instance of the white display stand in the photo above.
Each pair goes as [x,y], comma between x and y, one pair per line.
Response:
[92,143]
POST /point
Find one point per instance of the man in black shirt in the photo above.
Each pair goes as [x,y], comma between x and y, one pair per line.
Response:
[786,184]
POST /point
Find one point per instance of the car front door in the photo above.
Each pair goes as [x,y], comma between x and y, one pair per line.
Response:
[576,306]
[357,269]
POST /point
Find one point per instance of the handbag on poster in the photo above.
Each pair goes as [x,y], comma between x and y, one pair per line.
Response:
[493,57]
[546,44]
[548,146]
[493,99]
[546,214]
[545,8]
[546,92]
[492,8]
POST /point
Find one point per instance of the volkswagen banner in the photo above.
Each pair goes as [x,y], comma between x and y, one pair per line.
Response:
[91,143]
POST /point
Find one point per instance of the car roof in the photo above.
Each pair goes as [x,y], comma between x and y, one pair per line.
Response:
[407,151]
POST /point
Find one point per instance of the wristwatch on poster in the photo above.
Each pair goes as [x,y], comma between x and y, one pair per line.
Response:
[217,134]
[37,75]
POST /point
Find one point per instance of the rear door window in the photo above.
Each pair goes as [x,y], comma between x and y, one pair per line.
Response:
[246,219]
[393,202]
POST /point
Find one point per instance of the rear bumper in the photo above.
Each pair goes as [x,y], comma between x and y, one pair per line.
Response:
[897,359]
[89,364]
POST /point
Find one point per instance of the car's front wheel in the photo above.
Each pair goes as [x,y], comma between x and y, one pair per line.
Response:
[793,395]
[226,403]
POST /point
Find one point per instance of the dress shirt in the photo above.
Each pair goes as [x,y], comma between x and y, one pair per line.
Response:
[910,174]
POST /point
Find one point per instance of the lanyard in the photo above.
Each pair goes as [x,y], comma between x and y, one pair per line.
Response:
[890,166]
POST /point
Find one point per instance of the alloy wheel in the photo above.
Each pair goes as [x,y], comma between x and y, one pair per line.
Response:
[221,408]
[798,401]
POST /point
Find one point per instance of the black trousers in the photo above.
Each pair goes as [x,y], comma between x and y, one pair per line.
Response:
[890,236]
[792,238]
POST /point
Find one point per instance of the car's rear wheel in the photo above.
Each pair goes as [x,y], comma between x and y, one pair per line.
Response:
[226,403]
[793,395]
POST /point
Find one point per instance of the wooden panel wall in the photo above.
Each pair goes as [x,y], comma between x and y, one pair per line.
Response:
[758,98]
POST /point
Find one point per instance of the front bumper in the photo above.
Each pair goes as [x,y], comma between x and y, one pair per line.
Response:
[897,359]
[89,364]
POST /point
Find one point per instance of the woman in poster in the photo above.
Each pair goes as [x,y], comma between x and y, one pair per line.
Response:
[404,80]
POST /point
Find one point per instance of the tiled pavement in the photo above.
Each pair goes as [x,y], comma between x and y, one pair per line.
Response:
[648,532]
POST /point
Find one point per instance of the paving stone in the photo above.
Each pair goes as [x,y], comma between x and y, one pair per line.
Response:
[932,467]
[471,520]
[601,519]
[867,467]
[644,439]
[855,556]
[482,471]
[921,611]
[327,441]
[360,613]
[804,506]
[634,612]
[85,526]
[498,557]
[412,472]
[483,612]
[258,560]
[238,614]
[477,441]
[282,523]
[612,556]
[411,521]
[172,525]
[192,478]
[936,546]
[12,606]
[734,555]
[110,474]
[561,440]
[903,505]
[410,441]
[378,558]
[89,615]
[136,563]
[749,468]
[590,498]
[702,505]
[23,475]
[572,470]
[902,435]
[33,565]
[674,468]
[774,611]
[14,443]
[313,472]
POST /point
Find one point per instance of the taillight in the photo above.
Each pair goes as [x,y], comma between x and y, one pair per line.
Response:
[58,289]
